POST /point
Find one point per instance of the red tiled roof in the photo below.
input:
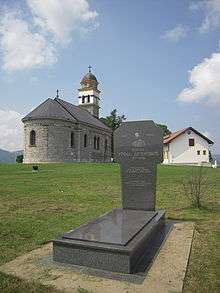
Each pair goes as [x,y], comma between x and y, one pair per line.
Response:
[168,138]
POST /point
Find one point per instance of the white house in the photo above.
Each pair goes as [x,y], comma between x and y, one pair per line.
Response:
[186,146]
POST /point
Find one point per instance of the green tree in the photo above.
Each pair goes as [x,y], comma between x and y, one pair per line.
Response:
[165,129]
[113,121]
[211,160]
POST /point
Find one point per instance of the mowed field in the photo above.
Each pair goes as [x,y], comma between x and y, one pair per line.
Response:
[36,207]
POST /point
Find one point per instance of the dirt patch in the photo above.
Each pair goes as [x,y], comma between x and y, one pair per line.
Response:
[166,274]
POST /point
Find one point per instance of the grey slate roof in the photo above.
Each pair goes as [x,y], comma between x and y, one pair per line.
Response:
[60,109]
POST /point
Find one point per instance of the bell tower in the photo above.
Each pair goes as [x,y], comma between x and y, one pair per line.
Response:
[89,93]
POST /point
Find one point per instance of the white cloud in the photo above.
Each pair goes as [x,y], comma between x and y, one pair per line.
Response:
[11,130]
[62,18]
[205,82]
[31,42]
[22,48]
[211,10]
[175,34]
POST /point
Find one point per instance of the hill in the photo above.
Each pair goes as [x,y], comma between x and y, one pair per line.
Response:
[9,157]
[217,157]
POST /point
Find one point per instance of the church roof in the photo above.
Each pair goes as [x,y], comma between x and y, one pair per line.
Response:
[49,109]
[60,109]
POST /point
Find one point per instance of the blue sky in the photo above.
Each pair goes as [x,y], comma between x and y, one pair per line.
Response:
[141,51]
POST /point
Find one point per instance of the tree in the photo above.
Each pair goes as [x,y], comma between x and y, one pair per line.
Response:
[19,159]
[211,160]
[166,131]
[113,121]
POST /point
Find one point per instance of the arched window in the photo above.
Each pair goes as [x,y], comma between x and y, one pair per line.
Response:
[32,138]
[72,140]
[95,142]
[98,143]
[106,145]
[85,140]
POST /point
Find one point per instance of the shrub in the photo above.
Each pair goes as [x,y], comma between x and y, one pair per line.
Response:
[19,159]
[196,186]
[35,168]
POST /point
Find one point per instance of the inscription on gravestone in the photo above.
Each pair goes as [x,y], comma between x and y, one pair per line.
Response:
[138,149]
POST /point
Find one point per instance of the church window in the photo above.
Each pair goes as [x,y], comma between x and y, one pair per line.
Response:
[198,153]
[106,145]
[98,143]
[95,142]
[88,99]
[32,138]
[204,152]
[83,99]
[85,140]
[72,140]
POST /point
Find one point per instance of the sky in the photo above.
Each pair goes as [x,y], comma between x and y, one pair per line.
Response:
[154,59]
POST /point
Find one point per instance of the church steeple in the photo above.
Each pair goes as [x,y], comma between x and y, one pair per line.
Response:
[89,93]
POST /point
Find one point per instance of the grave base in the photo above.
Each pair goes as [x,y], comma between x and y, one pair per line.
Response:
[116,241]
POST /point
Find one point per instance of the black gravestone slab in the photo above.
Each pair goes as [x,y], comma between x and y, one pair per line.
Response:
[138,148]
[118,241]
[117,227]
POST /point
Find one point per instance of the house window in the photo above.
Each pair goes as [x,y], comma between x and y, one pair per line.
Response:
[204,152]
[85,140]
[32,138]
[88,99]
[72,140]
[83,99]
[95,142]
[198,153]
[191,142]
[98,143]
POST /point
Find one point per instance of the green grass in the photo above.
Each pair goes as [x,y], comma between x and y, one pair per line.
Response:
[36,207]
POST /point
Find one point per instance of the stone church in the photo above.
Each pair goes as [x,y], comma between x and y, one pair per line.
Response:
[58,131]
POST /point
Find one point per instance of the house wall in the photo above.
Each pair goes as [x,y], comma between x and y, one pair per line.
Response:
[179,151]
[53,142]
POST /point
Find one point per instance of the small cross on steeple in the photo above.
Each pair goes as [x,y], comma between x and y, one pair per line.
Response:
[90,67]
[57,96]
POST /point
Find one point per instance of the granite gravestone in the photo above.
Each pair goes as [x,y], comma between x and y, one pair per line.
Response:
[138,149]
[118,240]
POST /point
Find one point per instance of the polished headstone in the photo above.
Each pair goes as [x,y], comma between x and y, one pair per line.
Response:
[138,149]
[117,227]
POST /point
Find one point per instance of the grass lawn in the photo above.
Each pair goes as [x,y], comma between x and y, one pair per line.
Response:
[36,207]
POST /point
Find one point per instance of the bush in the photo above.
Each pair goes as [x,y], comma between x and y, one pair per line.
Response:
[196,186]
[35,168]
[19,159]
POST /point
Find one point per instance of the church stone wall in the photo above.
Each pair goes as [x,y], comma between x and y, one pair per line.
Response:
[53,142]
